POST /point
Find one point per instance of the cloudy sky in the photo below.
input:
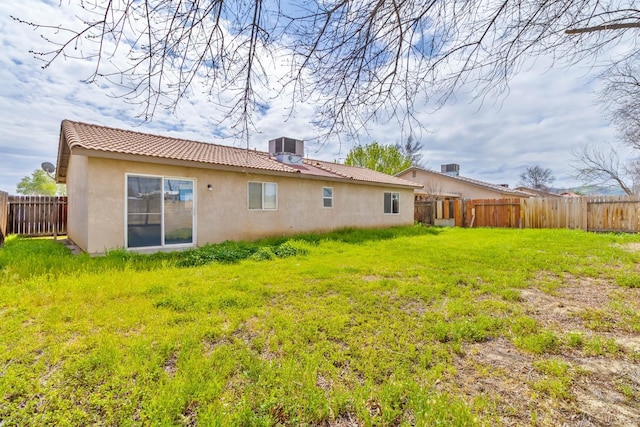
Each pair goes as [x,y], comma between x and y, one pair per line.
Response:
[546,114]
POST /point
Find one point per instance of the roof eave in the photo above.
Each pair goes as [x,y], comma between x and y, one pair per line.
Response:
[83,151]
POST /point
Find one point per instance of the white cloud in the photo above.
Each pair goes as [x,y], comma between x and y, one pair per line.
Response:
[545,115]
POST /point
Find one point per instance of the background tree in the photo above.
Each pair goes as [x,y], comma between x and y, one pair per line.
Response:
[356,60]
[594,165]
[620,96]
[411,149]
[605,165]
[39,183]
[537,177]
[382,158]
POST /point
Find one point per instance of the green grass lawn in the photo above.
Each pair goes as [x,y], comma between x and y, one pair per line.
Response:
[391,327]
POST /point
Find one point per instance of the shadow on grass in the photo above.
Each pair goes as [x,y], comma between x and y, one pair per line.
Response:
[23,258]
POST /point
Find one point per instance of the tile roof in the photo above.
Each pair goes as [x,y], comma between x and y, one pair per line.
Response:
[112,141]
[494,187]
[538,192]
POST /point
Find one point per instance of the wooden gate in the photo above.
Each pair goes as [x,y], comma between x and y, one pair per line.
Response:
[492,213]
[424,212]
[439,212]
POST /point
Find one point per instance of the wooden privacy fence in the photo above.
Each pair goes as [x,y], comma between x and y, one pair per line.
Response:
[594,213]
[36,215]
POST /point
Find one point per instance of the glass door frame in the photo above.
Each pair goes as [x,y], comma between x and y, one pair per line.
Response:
[162,245]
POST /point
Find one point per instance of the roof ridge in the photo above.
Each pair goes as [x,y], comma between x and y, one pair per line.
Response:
[147,134]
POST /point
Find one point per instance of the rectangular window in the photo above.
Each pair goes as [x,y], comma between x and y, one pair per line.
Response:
[160,211]
[327,197]
[391,203]
[262,195]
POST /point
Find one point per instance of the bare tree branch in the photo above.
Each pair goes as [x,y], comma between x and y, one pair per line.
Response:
[605,27]
[593,165]
[356,60]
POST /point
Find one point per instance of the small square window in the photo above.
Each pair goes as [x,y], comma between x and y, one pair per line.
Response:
[391,203]
[327,197]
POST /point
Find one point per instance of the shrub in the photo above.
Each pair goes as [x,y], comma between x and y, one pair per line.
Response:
[290,248]
[264,253]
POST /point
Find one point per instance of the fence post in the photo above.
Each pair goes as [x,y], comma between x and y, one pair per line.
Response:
[4,215]
[584,208]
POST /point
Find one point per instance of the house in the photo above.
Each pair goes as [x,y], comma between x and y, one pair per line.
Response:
[569,194]
[538,192]
[448,184]
[148,192]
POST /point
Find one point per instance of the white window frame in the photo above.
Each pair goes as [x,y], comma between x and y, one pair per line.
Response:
[162,245]
[324,198]
[384,207]
[263,184]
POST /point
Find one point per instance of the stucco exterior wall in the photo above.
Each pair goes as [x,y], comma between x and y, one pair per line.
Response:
[436,183]
[77,201]
[222,213]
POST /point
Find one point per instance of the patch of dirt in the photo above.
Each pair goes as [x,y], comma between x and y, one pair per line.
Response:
[171,364]
[565,309]
[497,371]
[190,415]
[632,247]
[500,372]
[603,391]
[323,383]
[347,420]
[210,345]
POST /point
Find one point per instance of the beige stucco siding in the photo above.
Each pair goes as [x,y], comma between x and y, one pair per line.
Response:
[77,201]
[222,213]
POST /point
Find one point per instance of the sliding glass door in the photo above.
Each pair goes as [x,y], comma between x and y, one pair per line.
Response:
[160,211]
[178,211]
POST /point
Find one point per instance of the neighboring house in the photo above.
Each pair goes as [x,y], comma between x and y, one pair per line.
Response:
[449,185]
[140,191]
[569,194]
[538,192]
